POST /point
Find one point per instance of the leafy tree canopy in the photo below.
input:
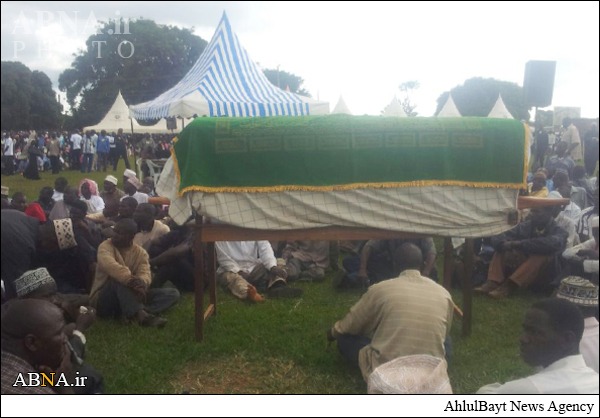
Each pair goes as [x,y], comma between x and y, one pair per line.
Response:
[28,100]
[139,57]
[477,96]
[407,105]
[285,80]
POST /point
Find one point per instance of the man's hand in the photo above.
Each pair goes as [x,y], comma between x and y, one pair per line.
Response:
[65,367]
[138,286]
[279,272]
[86,317]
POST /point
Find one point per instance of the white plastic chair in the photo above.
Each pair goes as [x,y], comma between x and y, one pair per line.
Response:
[155,170]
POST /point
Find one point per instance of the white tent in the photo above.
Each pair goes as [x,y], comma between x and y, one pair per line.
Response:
[118,118]
[499,110]
[449,110]
[226,82]
[341,107]
[394,109]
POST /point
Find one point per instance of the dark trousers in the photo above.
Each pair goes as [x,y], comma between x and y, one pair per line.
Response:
[55,163]
[350,345]
[75,159]
[86,163]
[102,161]
[9,165]
[120,152]
[118,300]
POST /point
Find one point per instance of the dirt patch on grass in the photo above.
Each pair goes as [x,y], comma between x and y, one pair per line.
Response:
[239,375]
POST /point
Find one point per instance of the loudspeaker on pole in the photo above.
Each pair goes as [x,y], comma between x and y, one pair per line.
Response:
[538,85]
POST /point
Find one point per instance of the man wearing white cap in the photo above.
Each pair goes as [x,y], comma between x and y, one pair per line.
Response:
[552,330]
[584,294]
[127,174]
[39,284]
[131,188]
[111,192]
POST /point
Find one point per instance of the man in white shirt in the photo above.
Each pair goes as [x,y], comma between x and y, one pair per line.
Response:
[552,330]
[8,155]
[584,294]
[249,267]
[76,140]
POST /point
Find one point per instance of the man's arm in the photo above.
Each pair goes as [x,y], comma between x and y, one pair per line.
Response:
[109,264]
[362,318]
[141,268]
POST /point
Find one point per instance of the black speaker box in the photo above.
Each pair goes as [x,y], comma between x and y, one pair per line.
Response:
[539,83]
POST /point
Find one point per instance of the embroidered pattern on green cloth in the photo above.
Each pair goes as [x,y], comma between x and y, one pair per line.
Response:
[339,152]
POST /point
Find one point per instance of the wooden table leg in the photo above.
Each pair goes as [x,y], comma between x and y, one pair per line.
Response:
[467,287]
[448,263]
[199,282]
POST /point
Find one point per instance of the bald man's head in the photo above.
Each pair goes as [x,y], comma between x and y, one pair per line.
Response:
[33,329]
[409,257]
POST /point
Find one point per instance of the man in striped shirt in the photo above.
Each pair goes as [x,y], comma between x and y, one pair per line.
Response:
[410,314]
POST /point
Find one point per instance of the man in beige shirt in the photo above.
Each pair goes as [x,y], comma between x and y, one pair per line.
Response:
[410,314]
[121,285]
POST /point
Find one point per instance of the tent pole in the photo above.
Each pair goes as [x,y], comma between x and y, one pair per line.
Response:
[133,146]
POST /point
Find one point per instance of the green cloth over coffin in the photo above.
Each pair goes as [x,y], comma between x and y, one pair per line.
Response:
[340,152]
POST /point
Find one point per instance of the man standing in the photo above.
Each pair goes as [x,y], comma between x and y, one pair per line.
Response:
[8,155]
[76,140]
[120,149]
[410,314]
[590,143]
[571,137]
[552,330]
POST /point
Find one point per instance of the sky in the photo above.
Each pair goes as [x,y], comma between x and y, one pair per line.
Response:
[361,51]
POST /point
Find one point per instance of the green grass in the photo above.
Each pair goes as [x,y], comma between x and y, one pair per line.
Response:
[31,188]
[278,346]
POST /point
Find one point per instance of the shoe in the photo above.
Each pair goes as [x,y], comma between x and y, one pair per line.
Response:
[153,321]
[253,296]
[486,288]
[284,291]
[502,292]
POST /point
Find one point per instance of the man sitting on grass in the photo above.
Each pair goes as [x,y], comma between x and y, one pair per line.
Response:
[524,253]
[552,330]
[33,341]
[121,286]
[249,267]
[410,314]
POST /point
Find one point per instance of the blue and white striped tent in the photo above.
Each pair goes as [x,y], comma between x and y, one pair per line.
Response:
[226,82]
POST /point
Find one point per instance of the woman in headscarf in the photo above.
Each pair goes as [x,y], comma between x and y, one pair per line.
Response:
[88,190]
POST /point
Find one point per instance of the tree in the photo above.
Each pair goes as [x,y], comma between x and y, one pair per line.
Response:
[477,96]
[407,88]
[138,57]
[28,100]
[284,80]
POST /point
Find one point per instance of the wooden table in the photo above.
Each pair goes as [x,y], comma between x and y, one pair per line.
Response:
[208,233]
